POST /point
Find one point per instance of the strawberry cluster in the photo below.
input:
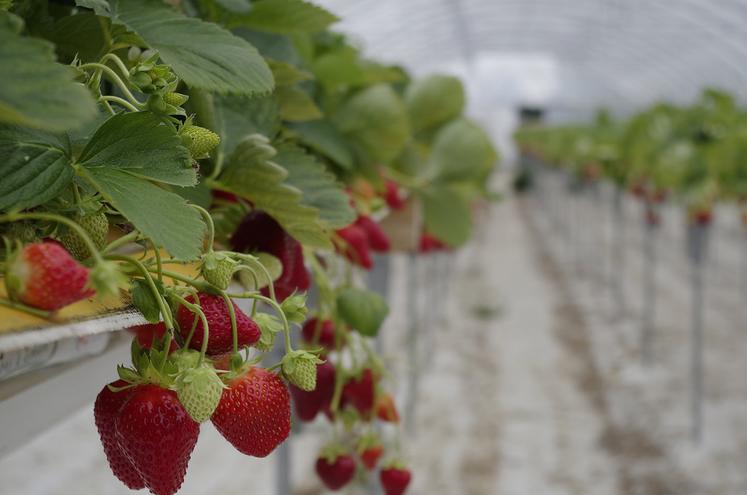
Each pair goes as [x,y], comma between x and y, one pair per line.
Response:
[429,244]
[358,240]
[353,398]
[259,232]
[149,420]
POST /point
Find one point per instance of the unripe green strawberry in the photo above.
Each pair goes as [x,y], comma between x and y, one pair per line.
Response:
[199,141]
[299,367]
[176,99]
[22,231]
[199,390]
[97,227]
[218,269]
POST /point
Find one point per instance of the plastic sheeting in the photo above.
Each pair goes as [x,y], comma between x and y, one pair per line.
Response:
[620,53]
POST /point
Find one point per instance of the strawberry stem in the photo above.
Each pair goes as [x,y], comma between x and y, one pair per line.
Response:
[256,285]
[197,310]
[197,284]
[210,225]
[159,263]
[232,316]
[10,217]
[277,308]
[117,61]
[26,309]
[120,101]
[165,312]
[335,404]
[114,77]
[254,261]
[125,239]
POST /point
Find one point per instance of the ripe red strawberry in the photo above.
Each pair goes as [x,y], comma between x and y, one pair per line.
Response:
[337,472]
[308,404]
[157,436]
[224,195]
[652,217]
[360,392]
[254,412]
[149,333]
[356,248]
[394,480]
[377,238]
[220,339]
[295,275]
[386,410]
[105,411]
[638,189]
[259,232]
[45,276]
[371,455]
[392,195]
[701,217]
[321,333]
[428,243]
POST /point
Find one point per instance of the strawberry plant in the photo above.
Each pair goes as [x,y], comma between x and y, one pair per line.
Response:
[244,140]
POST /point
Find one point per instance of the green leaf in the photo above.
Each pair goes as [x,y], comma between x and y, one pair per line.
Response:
[140,144]
[239,6]
[237,117]
[318,185]
[270,45]
[34,167]
[323,137]
[376,122]
[296,105]
[199,194]
[286,74]
[161,215]
[285,16]
[339,68]
[203,54]
[263,183]
[363,310]
[79,35]
[447,215]
[144,300]
[434,100]
[462,152]
[36,91]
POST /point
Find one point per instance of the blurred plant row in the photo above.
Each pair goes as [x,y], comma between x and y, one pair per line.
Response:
[694,153]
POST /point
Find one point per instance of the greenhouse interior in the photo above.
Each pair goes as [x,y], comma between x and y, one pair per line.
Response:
[443,247]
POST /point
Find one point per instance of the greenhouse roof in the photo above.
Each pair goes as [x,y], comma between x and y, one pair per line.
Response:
[623,53]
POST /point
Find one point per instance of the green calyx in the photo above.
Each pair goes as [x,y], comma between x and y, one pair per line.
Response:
[395,463]
[185,359]
[368,441]
[217,268]
[269,327]
[332,451]
[96,226]
[299,368]
[149,366]
[16,272]
[294,308]
[106,278]
[199,390]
